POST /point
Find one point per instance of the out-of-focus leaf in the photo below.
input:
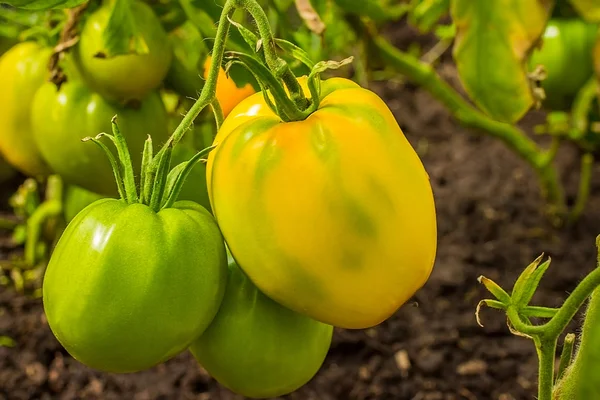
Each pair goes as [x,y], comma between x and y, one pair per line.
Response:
[426,13]
[121,34]
[6,341]
[493,39]
[15,21]
[377,10]
[42,4]
[588,9]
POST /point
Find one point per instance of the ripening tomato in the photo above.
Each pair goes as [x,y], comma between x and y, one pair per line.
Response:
[127,288]
[258,348]
[332,216]
[61,118]
[228,92]
[566,55]
[23,69]
[130,76]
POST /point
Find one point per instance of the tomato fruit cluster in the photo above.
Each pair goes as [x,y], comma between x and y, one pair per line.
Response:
[290,229]
[566,54]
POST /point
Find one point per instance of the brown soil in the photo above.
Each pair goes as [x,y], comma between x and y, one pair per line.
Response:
[490,222]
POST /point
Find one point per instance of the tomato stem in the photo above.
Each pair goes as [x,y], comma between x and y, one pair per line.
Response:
[51,207]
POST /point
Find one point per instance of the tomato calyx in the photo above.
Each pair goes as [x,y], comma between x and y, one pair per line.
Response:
[281,89]
[159,185]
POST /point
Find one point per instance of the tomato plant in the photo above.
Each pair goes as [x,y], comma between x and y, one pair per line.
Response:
[65,116]
[258,348]
[354,225]
[566,54]
[125,76]
[22,72]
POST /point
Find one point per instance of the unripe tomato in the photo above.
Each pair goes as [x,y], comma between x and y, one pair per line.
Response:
[63,117]
[23,69]
[258,348]
[76,199]
[566,55]
[127,288]
[130,76]
[332,216]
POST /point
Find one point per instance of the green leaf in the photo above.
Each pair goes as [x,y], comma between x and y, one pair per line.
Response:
[588,9]
[426,13]
[493,41]
[39,5]
[121,34]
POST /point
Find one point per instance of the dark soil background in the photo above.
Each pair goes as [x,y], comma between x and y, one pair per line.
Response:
[491,223]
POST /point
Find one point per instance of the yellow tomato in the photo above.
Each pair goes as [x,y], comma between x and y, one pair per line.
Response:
[228,93]
[333,216]
[23,69]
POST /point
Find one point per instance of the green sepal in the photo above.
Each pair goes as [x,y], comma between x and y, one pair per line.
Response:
[296,52]
[146,161]
[538,312]
[266,78]
[160,181]
[495,289]
[179,174]
[113,162]
[528,282]
[314,81]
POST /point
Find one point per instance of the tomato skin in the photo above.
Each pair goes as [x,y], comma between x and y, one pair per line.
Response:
[258,348]
[229,94]
[64,117]
[338,212]
[23,70]
[566,54]
[124,77]
[127,288]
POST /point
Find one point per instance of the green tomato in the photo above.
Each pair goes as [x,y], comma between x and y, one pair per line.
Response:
[61,118]
[130,76]
[76,199]
[127,288]
[566,54]
[258,348]
[22,72]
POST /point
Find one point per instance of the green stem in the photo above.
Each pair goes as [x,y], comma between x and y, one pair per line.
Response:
[209,90]
[546,350]
[218,113]
[425,76]
[581,108]
[277,65]
[566,355]
[585,181]
[50,208]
